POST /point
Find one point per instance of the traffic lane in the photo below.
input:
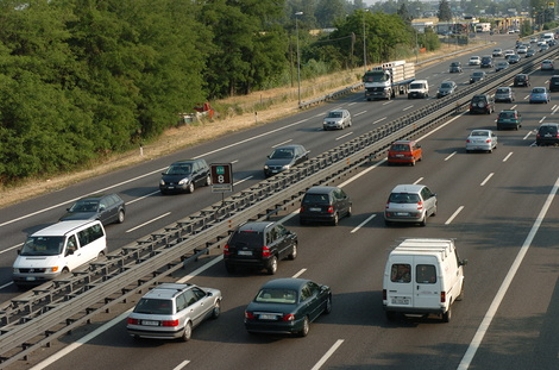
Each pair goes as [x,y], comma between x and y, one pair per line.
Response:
[524,330]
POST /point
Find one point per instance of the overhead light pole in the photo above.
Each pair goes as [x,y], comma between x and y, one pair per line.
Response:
[364,46]
[298,57]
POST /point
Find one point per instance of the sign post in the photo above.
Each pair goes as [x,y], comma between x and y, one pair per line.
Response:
[222,178]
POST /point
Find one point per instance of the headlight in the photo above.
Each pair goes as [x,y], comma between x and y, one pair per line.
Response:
[266,167]
[183,181]
[162,182]
[286,167]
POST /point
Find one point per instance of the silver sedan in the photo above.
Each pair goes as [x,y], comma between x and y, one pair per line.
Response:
[481,140]
[337,120]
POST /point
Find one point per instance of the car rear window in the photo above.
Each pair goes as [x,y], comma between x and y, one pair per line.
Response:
[503,90]
[284,296]
[548,129]
[247,238]
[507,115]
[400,148]
[154,306]
[404,198]
[316,199]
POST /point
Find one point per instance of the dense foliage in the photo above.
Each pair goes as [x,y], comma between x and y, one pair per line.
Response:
[80,79]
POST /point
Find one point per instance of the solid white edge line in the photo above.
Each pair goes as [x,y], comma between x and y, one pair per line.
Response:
[484,326]
[363,223]
[328,354]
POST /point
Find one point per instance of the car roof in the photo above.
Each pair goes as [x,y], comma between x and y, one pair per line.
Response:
[549,124]
[403,142]
[289,283]
[258,226]
[408,188]
[338,110]
[321,189]
[62,227]
[166,290]
[289,146]
[98,196]
[185,161]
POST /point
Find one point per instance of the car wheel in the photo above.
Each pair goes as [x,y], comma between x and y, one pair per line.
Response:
[328,307]
[293,253]
[306,326]
[121,216]
[216,310]
[187,332]
[336,219]
[447,315]
[209,180]
[272,265]
[424,221]
[191,187]
[412,162]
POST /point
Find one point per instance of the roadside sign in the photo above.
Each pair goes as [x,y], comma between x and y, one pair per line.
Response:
[222,177]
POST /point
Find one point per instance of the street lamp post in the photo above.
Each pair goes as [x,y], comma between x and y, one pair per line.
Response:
[298,57]
[364,47]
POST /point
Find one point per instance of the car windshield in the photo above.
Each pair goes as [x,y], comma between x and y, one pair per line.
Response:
[538,90]
[520,77]
[85,206]
[335,115]
[454,64]
[154,306]
[404,198]
[479,134]
[446,85]
[416,86]
[316,199]
[43,246]
[179,169]
[477,74]
[282,154]
[276,295]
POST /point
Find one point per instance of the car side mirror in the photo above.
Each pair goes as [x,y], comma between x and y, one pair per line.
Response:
[18,252]
[69,252]
[463,262]
[102,208]
[209,294]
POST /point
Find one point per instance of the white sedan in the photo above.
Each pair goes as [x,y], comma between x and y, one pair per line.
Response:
[482,140]
[475,61]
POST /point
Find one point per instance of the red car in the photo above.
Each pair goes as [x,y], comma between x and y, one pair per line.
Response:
[405,151]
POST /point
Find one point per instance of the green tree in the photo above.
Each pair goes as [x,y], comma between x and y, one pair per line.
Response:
[445,13]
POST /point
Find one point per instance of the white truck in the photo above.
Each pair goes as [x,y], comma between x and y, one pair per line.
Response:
[384,81]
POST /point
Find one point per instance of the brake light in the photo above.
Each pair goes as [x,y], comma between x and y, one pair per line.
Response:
[170,323]
[288,317]
[132,321]
[266,251]
[419,205]
[330,209]
[302,209]
[249,315]
[443,297]
[487,140]
[226,250]
[467,140]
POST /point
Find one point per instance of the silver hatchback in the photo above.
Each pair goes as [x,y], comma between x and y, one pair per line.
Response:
[337,120]
[410,203]
[171,310]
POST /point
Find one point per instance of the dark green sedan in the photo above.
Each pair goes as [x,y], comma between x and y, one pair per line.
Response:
[509,119]
[287,306]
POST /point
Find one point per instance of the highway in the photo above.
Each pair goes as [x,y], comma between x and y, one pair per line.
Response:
[500,208]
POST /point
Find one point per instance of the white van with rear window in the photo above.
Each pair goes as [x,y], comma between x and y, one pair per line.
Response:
[423,277]
[58,249]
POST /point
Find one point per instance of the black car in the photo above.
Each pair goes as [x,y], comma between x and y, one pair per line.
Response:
[185,176]
[287,306]
[522,80]
[446,88]
[455,67]
[477,76]
[554,83]
[107,208]
[285,157]
[482,103]
[486,61]
[259,245]
[324,204]
[548,134]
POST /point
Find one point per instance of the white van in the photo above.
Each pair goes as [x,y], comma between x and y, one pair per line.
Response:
[57,249]
[418,89]
[422,277]
[548,36]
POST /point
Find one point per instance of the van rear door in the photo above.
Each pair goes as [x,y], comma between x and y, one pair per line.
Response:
[399,283]
[427,284]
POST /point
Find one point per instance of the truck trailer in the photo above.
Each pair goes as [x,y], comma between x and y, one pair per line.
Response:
[388,79]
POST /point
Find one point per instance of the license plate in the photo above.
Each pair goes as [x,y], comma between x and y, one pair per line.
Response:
[170,187]
[150,323]
[30,278]
[314,209]
[402,214]
[267,317]
[244,253]
[400,301]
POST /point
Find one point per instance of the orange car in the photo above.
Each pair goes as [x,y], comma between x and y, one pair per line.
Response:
[405,151]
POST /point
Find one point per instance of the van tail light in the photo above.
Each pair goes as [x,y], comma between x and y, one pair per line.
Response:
[443,297]
[170,323]
[330,209]
[226,250]
[420,205]
[266,251]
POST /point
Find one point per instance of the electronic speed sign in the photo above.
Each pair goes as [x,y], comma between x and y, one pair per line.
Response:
[222,177]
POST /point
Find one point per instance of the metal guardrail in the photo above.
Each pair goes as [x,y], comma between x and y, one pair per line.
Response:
[36,318]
